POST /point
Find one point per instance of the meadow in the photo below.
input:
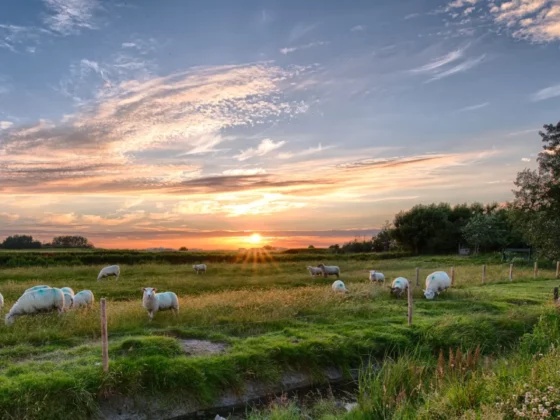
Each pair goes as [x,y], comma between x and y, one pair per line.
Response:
[271,317]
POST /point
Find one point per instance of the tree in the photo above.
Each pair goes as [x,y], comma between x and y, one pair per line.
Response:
[335,248]
[485,231]
[536,206]
[20,242]
[310,247]
[71,242]
[183,248]
[382,241]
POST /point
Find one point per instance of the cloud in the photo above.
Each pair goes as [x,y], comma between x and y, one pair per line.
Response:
[128,45]
[461,3]
[460,68]
[17,38]
[391,162]
[546,93]
[474,107]
[70,16]
[358,28]
[300,30]
[248,171]
[525,159]
[307,152]
[264,147]
[439,62]
[302,47]
[5,125]
[411,16]
[535,20]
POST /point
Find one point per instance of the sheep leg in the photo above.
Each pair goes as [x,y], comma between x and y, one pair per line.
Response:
[151,315]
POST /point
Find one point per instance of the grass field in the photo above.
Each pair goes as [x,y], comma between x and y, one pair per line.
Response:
[272,316]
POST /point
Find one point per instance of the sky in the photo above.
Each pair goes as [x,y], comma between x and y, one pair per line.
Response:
[142,124]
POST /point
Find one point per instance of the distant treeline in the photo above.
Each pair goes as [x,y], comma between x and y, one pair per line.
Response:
[27,242]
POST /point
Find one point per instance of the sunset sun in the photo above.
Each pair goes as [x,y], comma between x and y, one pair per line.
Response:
[255,238]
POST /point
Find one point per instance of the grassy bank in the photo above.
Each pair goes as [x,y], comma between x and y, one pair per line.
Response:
[272,317]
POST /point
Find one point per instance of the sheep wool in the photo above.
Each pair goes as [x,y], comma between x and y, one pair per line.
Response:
[199,268]
[112,270]
[83,298]
[154,302]
[314,271]
[68,300]
[376,276]
[32,289]
[338,286]
[399,285]
[67,290]
[34,302]
[329,270]
[435,283]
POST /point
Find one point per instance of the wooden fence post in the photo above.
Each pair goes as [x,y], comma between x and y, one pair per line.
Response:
[555,294]
[104,338]
[484,274]
[417,277]
[536,270]
[557,269]
[452,276]
[511,272]
[410,306]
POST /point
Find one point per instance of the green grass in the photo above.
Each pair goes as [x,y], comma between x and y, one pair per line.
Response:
[272,317]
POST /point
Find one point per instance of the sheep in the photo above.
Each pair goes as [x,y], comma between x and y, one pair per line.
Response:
[68,290]
[314,271]
[68,300]
[329,270]
[399,286]
[435,283]
[1,301]
[83,298]
[199,268]
[338,286]
[154,302]
[32,289]
[376,276]
[112,270]
[42,300]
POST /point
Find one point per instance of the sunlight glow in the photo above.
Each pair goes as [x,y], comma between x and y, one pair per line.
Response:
[255,238]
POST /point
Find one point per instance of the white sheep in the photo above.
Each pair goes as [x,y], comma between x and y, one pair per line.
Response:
[68,290]
[376,276]
[314,271]
[112,270]
[154,302]
[1,301]
[329,270]
[32,289]
[338,286]
[83,298]
[42,300]
[399,286]
[68,300]
[199,268]
[435,283]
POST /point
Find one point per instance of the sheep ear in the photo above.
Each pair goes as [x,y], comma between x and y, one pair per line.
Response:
[143,289]
[154,289]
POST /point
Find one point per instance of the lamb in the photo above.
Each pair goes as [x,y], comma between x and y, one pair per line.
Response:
[83,298]
[338,286]
[68,300]
[376,276]
[68,290]
[314,271]
[435,283]
[42,300]
[154,302]
[112,270]
[399,286]
[199,268]
[32,289]
[329,270]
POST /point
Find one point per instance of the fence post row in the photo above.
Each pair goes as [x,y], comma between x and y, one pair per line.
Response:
[417,277]
[484,274]
[104,338]
[536,270]
[557,269]
[452,276]
[511,272]
[409,306]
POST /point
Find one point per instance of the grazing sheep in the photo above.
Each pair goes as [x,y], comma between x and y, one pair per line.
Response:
[1,301]
[338,286]
[435,283]
[199,268]
[376,276]
[83,298]
[68,300]
[112,270]
[314,271]
[154,302]
[399,286]
[329,270]
[68,290]
[32,289]
[42,300]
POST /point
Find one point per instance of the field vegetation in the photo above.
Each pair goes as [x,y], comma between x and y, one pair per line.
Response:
[272,318]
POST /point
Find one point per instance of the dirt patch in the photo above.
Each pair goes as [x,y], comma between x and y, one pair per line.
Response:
[202,347]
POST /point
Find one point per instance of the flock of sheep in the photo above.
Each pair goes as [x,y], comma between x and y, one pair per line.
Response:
[44,298]
[436,282]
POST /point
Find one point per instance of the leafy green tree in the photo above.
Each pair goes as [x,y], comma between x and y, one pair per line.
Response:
[20,242]
[485,231]
[71,242]
[536,207]
[382,242]
[183,248]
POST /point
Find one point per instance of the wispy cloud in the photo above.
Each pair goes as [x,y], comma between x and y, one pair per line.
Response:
[474,107]
[244,171]
[358,28]
[264,147]
[300,30]
[546,93]
[525,159]
[307,152]
[460,68]
[70,16]
[5,124]
[439,62]
[18,38]
[411,16]
[289,50]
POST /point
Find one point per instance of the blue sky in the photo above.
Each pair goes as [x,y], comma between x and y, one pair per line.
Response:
[157,123]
